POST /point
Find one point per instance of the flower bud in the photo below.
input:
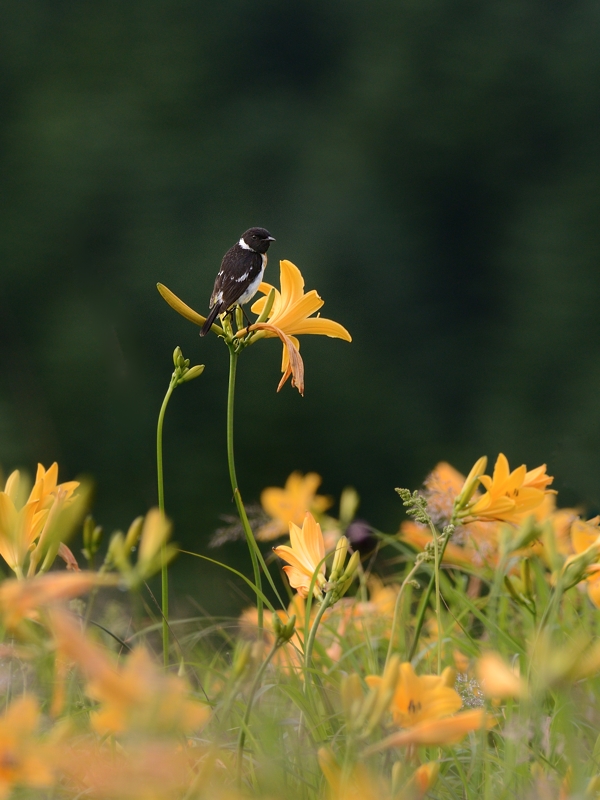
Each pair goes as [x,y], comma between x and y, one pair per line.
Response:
[177,354]
[339,558]
[288,629]
[239,317]
[348,505]
[351,567]
[264,315]
[133,534]
[192,373]
[385,692]
[470,483]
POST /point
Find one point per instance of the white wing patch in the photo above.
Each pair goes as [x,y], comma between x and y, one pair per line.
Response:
[242,277]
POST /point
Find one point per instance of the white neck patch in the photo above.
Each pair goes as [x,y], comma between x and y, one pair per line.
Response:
[243,245]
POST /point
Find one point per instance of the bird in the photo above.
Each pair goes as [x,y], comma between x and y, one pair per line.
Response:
[241,273]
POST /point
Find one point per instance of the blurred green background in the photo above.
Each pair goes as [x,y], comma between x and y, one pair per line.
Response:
[431,166]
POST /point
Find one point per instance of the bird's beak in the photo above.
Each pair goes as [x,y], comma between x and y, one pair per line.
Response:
[271,239]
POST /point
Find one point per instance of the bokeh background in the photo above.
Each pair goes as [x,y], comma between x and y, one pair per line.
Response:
[433,168]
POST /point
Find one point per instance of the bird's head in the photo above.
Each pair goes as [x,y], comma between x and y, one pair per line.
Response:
[258,239]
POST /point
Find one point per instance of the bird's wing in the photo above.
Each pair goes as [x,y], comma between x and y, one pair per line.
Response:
[238,269]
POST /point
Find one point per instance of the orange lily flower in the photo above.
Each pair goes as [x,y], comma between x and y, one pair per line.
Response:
[509,495]
[24,761]
[291,503]
[448,730]
[291,312]
[423,697]
[305,556]
[135,696]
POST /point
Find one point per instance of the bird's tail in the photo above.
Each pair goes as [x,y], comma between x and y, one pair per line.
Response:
[216,310]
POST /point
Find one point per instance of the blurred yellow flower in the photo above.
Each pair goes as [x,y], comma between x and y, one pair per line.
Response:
[509,495]
[291,503]
[419,698]
[355,783]
[291,312]
[46,487]
[497,679]
[22,517]
[24,760]
[22,599]
[447,730]
[585,535]
[135,696]
[305,556]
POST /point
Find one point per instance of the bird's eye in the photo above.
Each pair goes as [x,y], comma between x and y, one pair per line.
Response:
[254,236]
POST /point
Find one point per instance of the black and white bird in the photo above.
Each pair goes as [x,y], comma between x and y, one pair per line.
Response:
[241,273]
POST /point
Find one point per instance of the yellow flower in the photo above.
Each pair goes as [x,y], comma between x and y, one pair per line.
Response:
[584,537]
[419,698]
[509,495]
[430,732]
[291,503]
[497,679]
[24,761]
[22,599]
[305,556]
[46,487]
[355,783]
[135,696]
[22,519]
[291,312]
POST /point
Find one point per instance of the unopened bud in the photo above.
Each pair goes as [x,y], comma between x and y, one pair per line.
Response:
[575,567]
[117,554]
[177,354]
[192,373]
[288,629]
[385,693]
[470,483]
[239,317]
[339,558]
[133,534]
[264,315]
[348,505]
[351,567]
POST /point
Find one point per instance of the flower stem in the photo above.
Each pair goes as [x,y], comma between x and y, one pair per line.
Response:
[244,726]
[406,580]
[434,581]
[327,601]
[438,610]
[161,506]
[250,540]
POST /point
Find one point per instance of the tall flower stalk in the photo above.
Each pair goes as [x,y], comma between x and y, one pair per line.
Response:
[181,374]
[283,314]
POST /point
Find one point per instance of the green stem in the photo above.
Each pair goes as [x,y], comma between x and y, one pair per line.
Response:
[310,642]
[161,505]
[408,578]
[244,726]
[438,609]
[423,607]
[250,540]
